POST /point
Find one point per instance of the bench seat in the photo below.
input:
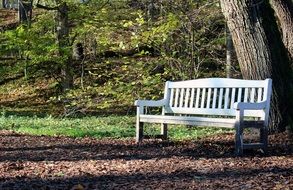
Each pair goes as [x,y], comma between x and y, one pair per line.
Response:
[185,120]
[198,121]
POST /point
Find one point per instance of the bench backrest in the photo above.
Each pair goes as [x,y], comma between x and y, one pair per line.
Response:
[216,96]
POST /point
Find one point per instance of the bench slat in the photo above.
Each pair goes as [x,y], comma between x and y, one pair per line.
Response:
[203,97]
[187,94]
[232,98]
[197,97]
[259,94]
[174,119]
[252,95]
[192,98]
[205,111]
[239,94]
[226,98]
[181,97]
[218,82]
[209,98]
[171,101]
[220,99]
[214,98]
[176,97]
[185,120]
[245,95]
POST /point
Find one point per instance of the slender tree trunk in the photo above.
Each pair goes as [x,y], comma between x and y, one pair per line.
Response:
[62,40]
[25,9]
[284,12]
[63,43]
[229,49]
[260,52]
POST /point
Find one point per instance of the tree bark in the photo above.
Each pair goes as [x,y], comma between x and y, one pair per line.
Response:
[284,12]
[63,43]
[229,49]
[62,39]
[3,4]
[260,52]
[25,9]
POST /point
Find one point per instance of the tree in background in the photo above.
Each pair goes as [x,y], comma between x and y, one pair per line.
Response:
[25,10]
[62,40]
[261,53]
[3,3]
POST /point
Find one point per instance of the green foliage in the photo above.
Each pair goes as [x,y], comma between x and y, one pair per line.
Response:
[35,45]
[117,85]
[129,50]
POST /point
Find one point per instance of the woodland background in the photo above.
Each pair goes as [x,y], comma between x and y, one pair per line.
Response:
[63,61]
[114,52]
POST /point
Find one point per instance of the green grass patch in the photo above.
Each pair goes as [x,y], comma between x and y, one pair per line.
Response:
[98,127]
[183,132]
[111,126]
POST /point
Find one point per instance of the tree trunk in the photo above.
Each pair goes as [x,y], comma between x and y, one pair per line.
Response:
[62,40]
[260,52]
[229,49]
[25,11]
[63,43]
[284,12]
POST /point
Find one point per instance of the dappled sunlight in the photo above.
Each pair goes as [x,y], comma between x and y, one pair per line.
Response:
[40,161]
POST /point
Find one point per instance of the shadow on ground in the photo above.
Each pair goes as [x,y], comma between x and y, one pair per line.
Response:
[16,147]
[30,162]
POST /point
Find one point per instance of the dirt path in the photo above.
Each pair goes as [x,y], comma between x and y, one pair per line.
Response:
[29,162]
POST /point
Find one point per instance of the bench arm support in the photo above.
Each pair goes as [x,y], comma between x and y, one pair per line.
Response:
[140,105]
[150,103]
[250,106]
[240,108]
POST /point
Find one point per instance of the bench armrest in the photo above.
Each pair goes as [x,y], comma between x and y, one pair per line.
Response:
[150,103]
[250,106]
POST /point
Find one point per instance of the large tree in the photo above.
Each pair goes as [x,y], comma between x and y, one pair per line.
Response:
[284,12]
[261,53]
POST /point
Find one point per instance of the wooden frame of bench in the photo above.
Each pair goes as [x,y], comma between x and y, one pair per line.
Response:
[196,102]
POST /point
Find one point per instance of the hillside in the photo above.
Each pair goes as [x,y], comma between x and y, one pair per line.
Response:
[8,19]
[124,54]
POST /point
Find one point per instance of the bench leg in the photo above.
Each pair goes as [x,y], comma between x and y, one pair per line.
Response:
[139,131]
[264,138]
[239,141]
[164,131]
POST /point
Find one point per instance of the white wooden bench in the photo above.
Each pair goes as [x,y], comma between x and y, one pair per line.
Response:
[218,102]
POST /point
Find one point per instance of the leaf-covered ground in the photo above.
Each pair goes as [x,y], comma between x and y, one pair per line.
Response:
[31,162]
[8,18]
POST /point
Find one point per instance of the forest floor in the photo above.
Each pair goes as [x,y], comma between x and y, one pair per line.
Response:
[8,18]
[42,162]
